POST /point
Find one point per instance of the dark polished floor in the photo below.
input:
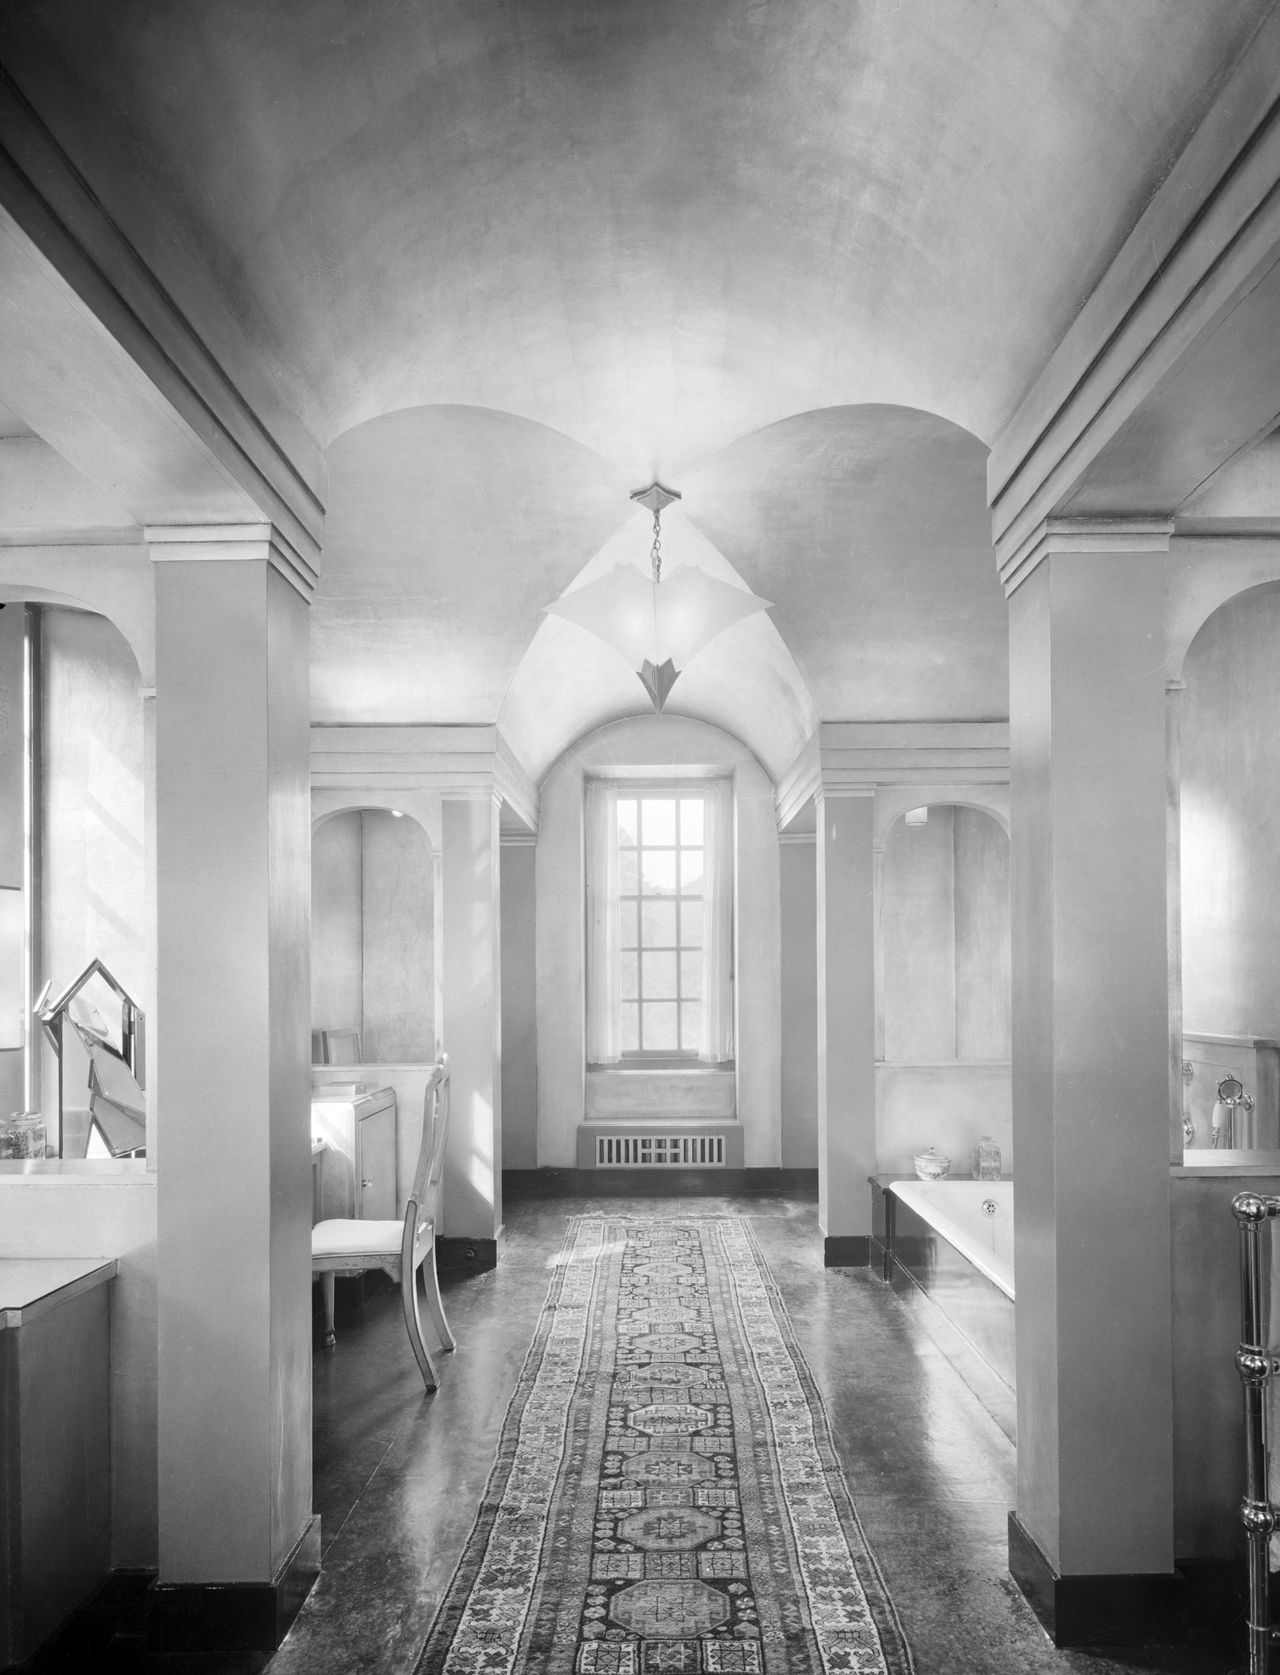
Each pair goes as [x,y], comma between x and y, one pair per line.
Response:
[398,1475]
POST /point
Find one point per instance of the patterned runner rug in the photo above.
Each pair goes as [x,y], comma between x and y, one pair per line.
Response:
[666,1499]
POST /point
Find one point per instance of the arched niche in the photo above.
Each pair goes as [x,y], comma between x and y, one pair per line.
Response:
[1229,797]
[73,844]
[373,937]
[944,1077]
[944,924]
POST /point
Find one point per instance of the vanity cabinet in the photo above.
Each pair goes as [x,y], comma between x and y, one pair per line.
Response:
[358,1165]
[55,1444]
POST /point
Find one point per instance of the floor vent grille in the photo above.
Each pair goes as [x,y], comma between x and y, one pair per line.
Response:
[639,1151]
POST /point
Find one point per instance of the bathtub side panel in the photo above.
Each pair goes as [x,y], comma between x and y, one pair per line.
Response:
[977,1307]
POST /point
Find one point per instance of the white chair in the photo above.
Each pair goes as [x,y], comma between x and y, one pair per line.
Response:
[398,1248]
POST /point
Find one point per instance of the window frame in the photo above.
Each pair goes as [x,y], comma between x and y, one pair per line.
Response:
[676,950]
[639,1058]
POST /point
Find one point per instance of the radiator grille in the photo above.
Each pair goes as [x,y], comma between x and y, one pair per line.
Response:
[638,1151]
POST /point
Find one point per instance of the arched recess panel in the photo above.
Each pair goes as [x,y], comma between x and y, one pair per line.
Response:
[91,819]
[1230,838]
[945,924]
[944,1078]
[373,934]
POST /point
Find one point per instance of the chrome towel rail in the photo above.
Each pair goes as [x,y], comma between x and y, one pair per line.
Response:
[1257,1364]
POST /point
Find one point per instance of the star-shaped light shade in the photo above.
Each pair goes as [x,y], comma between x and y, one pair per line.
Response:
[657,626]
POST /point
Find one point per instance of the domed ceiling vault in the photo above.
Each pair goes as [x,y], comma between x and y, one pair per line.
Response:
[509,262]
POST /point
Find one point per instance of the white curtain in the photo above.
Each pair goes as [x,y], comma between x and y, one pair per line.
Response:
[604,929]
[717,924]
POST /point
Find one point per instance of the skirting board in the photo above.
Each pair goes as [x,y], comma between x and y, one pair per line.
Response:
[474,1255]
[846,1250]
[1097,1610]
[234,1616]
[657,1182]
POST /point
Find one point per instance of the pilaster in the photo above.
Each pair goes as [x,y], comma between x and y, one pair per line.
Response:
[231,1034]
[846,1020]
[1091,1042]
[471,998]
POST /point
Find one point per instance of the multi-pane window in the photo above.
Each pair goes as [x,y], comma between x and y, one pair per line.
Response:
[660,897]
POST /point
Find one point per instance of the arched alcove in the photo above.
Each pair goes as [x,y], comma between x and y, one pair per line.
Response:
[373,916]
[944,1076]
[73,845]
[669,750]
[1230,837]
[945,927]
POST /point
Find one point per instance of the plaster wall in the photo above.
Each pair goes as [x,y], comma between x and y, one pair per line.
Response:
[94,843]
[11,842]
[11,655]
[337,986]
[373,933]
[918,927]
[105,1209]
[665,746]
[519,1007]
[945,931]
[799,894]
[981,902]
[1231,820]
[944,1105]
[398,892]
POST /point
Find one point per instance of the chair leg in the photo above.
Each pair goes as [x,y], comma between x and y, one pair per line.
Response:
[326,1286]
[413,1324]
[435,1307]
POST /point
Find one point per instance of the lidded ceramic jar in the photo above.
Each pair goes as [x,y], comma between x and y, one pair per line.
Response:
[932,1165]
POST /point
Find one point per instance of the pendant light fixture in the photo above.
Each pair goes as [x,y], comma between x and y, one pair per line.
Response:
[658,625]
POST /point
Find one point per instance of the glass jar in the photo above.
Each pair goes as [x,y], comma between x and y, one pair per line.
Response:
[23,1135]
[986,1160]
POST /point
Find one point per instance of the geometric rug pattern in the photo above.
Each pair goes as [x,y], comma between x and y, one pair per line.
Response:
[666,1499]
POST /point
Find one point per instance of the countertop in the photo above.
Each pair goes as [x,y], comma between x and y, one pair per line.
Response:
[29,1285]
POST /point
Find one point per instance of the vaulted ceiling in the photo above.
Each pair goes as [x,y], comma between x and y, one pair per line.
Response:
[507,260]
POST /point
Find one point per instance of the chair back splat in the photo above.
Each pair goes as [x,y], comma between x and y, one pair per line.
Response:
[353,1246]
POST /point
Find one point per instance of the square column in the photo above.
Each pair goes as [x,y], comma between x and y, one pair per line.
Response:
[231,1038]
[1094,1523]
[471,1002]
[846,1021]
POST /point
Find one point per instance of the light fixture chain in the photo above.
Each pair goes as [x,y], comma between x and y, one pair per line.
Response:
[655,554]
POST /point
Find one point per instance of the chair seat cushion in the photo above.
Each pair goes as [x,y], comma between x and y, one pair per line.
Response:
[354,1238]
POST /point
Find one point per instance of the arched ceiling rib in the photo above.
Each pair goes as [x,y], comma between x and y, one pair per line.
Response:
[452,528]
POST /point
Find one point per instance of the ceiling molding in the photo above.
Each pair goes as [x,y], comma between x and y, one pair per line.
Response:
[461,761]
[799,784]
[66,223]
[886,753]
[1207,237]
[232,543]
[1060,537]
[857,758]
[128,535]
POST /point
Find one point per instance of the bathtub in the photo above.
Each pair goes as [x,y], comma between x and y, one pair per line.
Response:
[953,1240]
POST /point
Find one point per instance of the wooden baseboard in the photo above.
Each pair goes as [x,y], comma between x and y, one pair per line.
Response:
[474,1255]
[1106,1610]
[234,1616]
